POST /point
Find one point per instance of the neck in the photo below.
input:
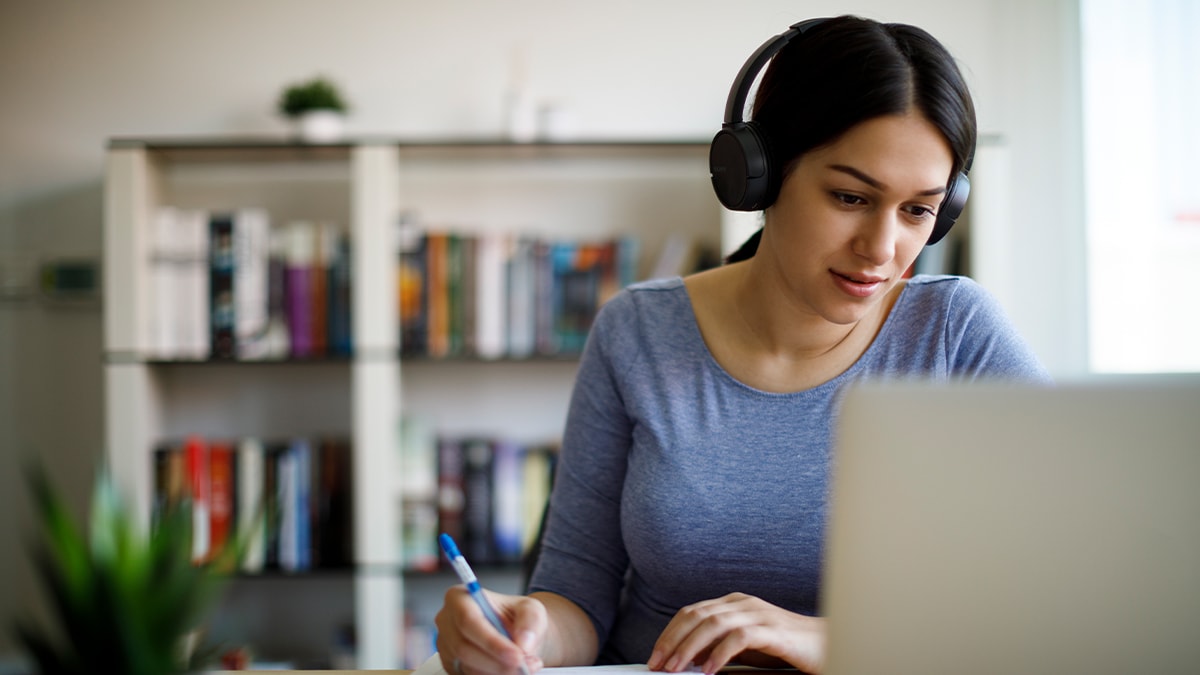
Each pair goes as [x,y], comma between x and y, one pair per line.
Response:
[778,326]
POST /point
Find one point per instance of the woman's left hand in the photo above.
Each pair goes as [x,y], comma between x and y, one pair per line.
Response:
[712,633]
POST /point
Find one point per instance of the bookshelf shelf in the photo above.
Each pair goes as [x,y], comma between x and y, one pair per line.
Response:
[585,190]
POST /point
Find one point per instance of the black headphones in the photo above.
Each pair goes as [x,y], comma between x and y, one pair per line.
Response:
[744,174]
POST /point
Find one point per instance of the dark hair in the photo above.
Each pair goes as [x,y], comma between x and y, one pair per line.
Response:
[848,70]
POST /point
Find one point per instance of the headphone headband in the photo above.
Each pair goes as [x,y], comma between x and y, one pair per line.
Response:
[736,104]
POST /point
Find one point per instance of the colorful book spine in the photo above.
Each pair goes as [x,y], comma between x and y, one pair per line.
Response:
[222,490]
[303,455]
[412,289]
[222,317]
[340,299]
[196,464]
[301,256]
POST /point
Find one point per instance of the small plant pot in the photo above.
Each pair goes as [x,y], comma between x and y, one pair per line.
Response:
[320,126]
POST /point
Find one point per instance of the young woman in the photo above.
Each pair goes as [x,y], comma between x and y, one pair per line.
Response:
[688,511]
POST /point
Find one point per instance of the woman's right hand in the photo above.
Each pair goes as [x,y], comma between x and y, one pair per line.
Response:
[469,645]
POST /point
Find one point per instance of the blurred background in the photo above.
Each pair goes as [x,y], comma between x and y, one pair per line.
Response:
[1092,101]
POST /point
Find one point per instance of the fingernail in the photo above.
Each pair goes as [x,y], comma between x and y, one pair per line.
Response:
[525,640]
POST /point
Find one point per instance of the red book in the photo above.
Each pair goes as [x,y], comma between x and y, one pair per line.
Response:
[221,497]
[196,463]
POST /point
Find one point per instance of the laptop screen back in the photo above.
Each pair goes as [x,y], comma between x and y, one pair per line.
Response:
[1011,529]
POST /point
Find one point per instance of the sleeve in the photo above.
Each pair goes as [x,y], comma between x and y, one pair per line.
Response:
[981,341]
[583,556]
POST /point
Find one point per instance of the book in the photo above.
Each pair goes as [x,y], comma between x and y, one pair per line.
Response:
[301,503]
[456,306]
[251,282]
[251,482]
[576,282]
[333,500]
[165,274]
[451,491]
[287,477]
[478,542]
[196,466]
[300,259]
[193,336]
[521,298]
[468,301]
[437,272]
[170,479]
[507,507]
[222,490]
[222,339]
[538,469]
[273,456]
[418,470]
[491,293]
[324,245]
[340,299]
[543,298]
[412,289]
[277,341]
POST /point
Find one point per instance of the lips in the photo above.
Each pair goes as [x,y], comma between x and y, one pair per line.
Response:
[857,285]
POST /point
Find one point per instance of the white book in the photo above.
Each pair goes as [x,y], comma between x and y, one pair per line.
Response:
[193,336]
[251,509]
[164,265]
[252,250]
[491,295]
[522,289]
[418,469]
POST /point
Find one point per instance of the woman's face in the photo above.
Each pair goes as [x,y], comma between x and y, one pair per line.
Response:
[852,216]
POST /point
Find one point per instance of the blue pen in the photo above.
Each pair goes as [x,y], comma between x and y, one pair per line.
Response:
[459,563]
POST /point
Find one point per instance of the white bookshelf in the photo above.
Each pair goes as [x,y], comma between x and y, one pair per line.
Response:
[576,190]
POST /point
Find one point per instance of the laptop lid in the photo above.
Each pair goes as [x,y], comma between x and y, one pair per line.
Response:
[1016,529]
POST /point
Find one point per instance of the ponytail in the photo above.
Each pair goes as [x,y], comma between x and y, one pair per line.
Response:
[747,250]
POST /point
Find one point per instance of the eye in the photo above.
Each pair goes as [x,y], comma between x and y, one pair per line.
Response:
[847,198]
[919,211]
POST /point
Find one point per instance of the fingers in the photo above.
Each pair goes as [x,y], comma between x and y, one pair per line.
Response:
[696,630]
[469,645]
[712,633]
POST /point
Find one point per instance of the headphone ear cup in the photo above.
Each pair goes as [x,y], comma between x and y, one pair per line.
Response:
[952,207]
[742,175]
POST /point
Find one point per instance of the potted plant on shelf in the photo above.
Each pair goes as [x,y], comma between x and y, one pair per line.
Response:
[120,601]
[316,108]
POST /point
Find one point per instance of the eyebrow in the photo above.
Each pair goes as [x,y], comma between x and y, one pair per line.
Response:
[878,185]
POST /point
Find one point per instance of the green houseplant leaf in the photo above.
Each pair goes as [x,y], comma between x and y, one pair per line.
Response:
[120,600]
[318,93]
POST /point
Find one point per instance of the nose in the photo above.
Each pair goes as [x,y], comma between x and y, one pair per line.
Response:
[876,238]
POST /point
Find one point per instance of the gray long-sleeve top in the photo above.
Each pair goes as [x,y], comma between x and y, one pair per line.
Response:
[678,483]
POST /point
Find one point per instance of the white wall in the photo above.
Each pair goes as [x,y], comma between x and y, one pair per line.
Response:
[76,74]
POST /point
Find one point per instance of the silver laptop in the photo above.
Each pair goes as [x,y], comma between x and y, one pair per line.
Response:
[1011,529]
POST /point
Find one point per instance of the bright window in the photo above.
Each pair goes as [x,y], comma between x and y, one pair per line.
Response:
[1141,107]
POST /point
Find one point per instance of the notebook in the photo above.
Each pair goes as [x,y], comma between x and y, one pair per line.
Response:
[1012,529]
